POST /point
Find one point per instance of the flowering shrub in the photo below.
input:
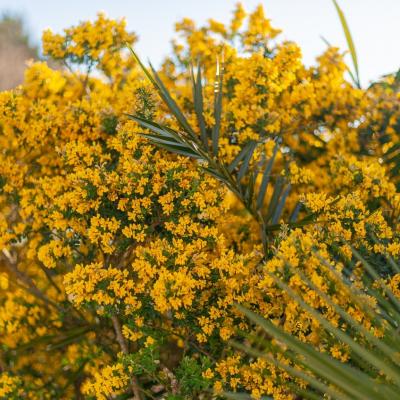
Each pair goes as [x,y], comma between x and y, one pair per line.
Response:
[122,262]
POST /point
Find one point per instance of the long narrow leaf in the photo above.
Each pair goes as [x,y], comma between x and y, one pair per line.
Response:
[281,204]
[198,105]
[179,150]
[165,95]
[378,343]
[156,128]
[172,104]
[217,108]
[317,384]
[362,352]
[341,375]
[377,278]
[266,178]
[240,156]
[161,139]
[246,161]
[276,194]
[295,212]
[350,43]
[249,191]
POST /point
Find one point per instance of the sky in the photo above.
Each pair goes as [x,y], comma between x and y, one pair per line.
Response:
[375,25]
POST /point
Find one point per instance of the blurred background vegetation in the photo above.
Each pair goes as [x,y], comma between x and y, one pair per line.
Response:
[15,50]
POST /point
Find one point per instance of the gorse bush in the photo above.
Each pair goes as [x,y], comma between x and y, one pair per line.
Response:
[137,213]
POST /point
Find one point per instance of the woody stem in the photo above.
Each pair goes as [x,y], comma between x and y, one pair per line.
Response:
[122,343]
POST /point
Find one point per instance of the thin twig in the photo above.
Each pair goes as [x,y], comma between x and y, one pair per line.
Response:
[122,343]
[11,264]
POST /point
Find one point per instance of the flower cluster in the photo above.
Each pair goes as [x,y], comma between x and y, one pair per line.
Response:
[121,264]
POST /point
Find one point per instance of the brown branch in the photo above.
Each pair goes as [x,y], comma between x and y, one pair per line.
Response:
[29,284]
[122,343]
[173,381]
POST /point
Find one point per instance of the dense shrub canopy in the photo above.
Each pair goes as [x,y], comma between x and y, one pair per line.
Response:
[122,263]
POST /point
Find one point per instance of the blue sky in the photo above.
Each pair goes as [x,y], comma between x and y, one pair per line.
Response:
[375,25]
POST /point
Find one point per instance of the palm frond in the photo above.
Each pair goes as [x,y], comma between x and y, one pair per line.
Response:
[374,371]
[240,175]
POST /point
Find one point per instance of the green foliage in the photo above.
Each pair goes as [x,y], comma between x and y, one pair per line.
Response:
[355,76]
[241,174]
[145,361]
[375,369]
[189,375]
[146,103]
[110,123]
